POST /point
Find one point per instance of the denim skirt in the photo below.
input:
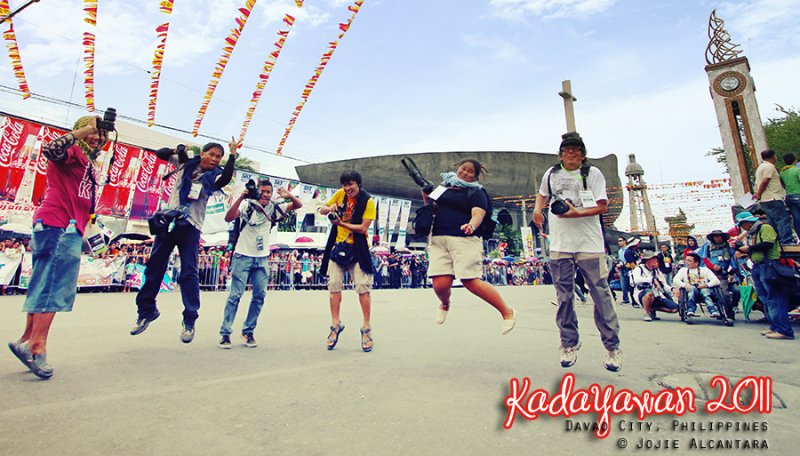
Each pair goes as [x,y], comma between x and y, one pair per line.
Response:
[54,279]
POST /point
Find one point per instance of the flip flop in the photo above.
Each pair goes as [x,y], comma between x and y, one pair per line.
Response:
[333,337]
[365,339]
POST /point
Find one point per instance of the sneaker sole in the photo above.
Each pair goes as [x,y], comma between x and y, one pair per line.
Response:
[224,346]
[136,331]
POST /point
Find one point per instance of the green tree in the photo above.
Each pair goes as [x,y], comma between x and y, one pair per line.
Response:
[288,223]
[512,237]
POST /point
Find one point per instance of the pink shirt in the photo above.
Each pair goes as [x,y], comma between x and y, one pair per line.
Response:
[69,192]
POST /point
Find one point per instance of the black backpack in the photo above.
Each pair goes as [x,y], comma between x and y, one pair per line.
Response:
[486,229]
[233,234]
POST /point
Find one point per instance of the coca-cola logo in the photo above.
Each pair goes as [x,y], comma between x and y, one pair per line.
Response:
[170,182]
[11,136]
[148,166]
[120,160]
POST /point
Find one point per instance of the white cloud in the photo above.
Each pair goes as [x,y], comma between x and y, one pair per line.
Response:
[309,14]
[500,49]
[547,9]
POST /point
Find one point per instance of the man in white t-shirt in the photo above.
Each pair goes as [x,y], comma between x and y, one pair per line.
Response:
[256,219]
[770,195]
[577,195]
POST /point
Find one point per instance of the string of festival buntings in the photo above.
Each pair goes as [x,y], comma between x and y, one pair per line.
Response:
[13,52]
[158,60]
[326,57]
[90,10]
[227,50]
[269,64]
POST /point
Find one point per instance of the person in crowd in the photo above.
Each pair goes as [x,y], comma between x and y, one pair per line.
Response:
[57,240]
[256,219]
[624,273]
[697,281]
[631,261]
[576,240]
[652,286]
[717,256]
[691,246]
[351,211]
[199,178]
[456,246]
[770,195]
[665,263]
[790,177]
[763,246]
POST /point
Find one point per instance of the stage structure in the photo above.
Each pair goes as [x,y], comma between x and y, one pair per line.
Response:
[733,93]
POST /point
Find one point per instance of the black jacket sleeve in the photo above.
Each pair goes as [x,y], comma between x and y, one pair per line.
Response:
[227,173]
[164,153]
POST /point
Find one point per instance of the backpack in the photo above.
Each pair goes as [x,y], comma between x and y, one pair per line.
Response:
[233,234]
[486,229]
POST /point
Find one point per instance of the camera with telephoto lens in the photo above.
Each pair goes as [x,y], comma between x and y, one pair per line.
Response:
[252,190]
[416,175]
[109,117]
[559,206]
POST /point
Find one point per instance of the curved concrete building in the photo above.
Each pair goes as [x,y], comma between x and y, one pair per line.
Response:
[511,174]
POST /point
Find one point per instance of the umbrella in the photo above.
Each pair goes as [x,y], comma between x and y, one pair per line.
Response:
[131,236]
[18,228]
[278,246]
[509,258]
[303,239]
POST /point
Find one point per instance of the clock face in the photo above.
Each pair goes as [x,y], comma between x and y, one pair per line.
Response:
[730,83]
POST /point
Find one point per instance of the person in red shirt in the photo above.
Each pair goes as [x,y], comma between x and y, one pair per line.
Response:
[58,238]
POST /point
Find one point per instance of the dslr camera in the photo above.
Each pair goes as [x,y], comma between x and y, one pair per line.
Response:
[109,117]
[416,175]
[252,190]
[559,206]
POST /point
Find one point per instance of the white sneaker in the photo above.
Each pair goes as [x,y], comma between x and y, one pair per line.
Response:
[441,315]
[612,361]
[690,314]
[509,324]
[569,355]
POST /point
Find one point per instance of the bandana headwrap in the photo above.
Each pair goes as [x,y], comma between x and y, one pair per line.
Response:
[80,123]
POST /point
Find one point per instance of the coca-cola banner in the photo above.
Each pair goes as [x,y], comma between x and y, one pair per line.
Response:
[115,195]
[149,186]
[22,165]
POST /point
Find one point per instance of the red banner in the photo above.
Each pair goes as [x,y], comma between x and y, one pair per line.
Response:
[149,186]
[22,165]
[115,195]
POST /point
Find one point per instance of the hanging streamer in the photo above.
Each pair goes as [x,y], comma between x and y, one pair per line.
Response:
[90,8]
[269,64]
[227,50]
[326,57]
[166,6]
[88,72]
[155,75]
[13,52]
[90,17]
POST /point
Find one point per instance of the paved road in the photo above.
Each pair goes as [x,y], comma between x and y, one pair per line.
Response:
[425,389]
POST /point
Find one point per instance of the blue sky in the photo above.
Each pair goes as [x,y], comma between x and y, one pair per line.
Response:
[415,76]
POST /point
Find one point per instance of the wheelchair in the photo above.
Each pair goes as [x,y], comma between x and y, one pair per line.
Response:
[720,298]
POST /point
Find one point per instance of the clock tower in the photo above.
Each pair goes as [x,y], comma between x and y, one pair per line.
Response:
[733,92]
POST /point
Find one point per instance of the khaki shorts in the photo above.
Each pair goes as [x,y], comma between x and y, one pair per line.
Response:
[457,256]
[362,282]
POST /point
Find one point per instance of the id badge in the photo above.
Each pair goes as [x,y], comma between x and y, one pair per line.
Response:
[587,199]
[260,243]
[94,238]
[194,192]
[437,193]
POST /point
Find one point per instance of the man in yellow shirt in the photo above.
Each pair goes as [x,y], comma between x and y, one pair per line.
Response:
[351,210]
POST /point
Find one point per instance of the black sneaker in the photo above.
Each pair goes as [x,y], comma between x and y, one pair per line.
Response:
[249,341]
[225,342]
[187,334]
[143,322]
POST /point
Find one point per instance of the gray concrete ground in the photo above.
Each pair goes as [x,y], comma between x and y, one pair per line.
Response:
[425,389]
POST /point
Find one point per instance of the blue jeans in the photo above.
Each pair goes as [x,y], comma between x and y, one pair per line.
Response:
[705,293]
[779,218]
[242,268]
[775,300]
[56,263]
[625,283]
[187,239]
[793,203]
